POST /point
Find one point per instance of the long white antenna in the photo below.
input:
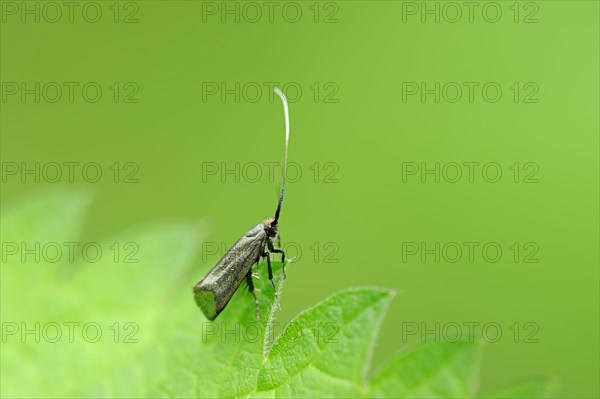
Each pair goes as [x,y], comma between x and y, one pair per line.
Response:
[285,157]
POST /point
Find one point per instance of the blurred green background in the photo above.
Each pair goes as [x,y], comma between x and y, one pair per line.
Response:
[179,95]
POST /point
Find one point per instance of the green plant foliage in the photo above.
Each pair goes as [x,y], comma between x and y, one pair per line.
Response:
[154,341]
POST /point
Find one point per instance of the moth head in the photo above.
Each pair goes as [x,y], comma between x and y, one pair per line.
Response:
[270,227]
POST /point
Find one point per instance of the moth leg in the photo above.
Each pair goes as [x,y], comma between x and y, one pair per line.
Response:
[277,251]
[251,286]
[267,256]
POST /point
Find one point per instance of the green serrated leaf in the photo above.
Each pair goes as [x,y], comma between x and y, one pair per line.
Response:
[155,342]
[438,370]
[325,350]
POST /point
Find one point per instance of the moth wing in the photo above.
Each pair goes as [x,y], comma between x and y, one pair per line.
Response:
[215,290]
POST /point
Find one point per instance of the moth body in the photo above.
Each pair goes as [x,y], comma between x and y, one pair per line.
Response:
[214,291]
